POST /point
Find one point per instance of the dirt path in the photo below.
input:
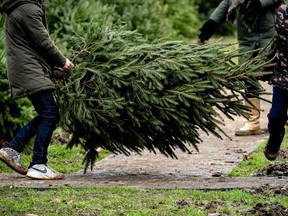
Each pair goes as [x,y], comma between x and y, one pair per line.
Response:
[206,169]
[143,181]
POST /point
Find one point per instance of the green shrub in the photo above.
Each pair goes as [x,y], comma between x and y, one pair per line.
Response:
[148,17]
[184,17]
[65,18]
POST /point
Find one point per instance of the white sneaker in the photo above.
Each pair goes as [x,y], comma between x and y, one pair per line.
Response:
[12,158]
[42,171]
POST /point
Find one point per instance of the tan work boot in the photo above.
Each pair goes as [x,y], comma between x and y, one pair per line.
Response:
[252,126]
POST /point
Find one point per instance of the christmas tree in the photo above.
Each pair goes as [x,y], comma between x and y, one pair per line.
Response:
[127,94]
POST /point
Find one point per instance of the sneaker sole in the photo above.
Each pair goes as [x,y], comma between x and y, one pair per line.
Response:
[10,164]
[45,177]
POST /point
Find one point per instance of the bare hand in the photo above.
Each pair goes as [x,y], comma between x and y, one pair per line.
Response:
[68,65]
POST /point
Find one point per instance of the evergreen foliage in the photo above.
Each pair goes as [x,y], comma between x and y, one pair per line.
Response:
[127,94]
[148,17]
[152,18]
[67,17]
[184,17]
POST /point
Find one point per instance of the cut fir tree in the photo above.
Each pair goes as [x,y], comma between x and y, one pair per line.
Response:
[126,94]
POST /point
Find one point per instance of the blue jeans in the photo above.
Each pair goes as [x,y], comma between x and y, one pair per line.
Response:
[278,113]
[42,126]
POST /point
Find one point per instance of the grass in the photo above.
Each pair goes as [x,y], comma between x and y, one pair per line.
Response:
[128,201]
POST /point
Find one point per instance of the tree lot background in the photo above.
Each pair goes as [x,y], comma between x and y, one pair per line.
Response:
[154,19]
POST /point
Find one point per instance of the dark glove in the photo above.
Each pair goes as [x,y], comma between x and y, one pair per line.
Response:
[207,30]
[250,10]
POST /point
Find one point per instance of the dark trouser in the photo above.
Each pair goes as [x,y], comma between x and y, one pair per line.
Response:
[278,113]
[42,126]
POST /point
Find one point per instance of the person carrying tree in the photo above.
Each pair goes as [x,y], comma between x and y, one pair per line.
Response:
[30,53]
[255,22]
[277,115]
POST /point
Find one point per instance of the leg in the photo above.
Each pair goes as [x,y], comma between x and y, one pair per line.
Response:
[278,113]
[252,126]
[47,110]
[24,135]
[11,153]
[277,119]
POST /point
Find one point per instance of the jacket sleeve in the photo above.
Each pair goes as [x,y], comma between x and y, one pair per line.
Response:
[220,13]
[36,31]
[267,3]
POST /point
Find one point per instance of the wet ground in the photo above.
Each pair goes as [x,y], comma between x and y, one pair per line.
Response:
[275,168]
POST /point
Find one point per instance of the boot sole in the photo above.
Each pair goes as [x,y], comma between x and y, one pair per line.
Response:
[250,133]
